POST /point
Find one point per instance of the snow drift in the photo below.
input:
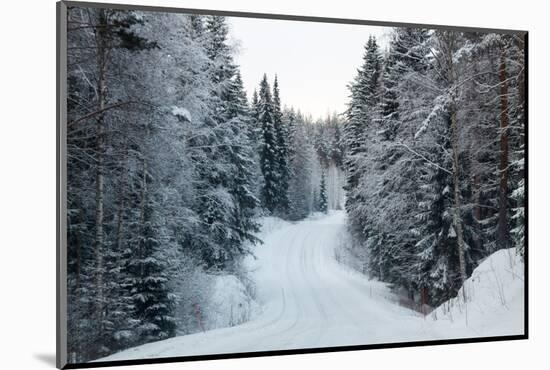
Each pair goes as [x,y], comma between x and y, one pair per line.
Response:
[494,303]
[230,303]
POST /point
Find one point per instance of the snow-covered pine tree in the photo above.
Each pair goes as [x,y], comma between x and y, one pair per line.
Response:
[391,248]
[322,141]
[292,121]
[518,195]
[154,184]
[435,272]
[516,62]
[361,113]
[323,201]
[95,302]
[468,113]
[244,159]
[439,222]
[301,161]
[269,151]
[283,171]
[423,133]
[159,218]
[328,144]
[225,201]
[152,299]
[389,103]
[255,120]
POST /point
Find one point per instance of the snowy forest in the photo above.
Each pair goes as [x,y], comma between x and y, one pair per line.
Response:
[434,139]
[173,171]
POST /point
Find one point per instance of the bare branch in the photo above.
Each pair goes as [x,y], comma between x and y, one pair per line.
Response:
[113,106]
[423,157]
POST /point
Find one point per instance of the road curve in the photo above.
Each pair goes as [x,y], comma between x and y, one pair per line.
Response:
[309,301]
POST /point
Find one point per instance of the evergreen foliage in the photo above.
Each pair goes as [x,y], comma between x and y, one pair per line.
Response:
[425,194]
[323,202]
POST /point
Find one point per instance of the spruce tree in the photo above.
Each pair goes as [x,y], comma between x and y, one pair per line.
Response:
[269,151]
[393,250]
[227,174]
[152,299]
[255,126]
[242,158]
[301,161]
[283,171]
[389,101]
[360,116]
[323,201]
[364,96]
[96,307]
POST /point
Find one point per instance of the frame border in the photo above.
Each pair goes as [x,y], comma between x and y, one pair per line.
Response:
[61,185]
[61,188]
[286,17]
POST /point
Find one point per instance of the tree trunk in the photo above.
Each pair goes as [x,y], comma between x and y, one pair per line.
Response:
[144,200]
[122,199]
[101,41]
[457,218]
[477,197]
[503,227]
[455,148]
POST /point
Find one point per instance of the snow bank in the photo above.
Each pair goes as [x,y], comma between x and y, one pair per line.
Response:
[270,224]
[494,302]
[230,303]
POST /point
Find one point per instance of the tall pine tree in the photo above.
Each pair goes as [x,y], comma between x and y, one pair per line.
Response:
[269,151]
[283,171]
[323,201]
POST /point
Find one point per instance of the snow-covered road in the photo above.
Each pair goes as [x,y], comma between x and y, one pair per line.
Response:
[308,299]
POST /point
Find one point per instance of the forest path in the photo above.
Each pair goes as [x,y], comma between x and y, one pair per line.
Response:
[309,300]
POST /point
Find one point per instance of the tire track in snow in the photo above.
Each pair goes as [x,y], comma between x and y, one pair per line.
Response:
[310,300]
[285,312]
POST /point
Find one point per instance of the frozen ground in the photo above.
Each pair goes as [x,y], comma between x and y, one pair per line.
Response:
[310,300]
[495,300]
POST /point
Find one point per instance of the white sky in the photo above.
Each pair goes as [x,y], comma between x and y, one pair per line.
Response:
[314,61]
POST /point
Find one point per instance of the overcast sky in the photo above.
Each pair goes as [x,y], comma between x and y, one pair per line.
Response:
[314,61]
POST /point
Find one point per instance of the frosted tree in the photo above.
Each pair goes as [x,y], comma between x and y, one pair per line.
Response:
[269,150]
[364,96]
[362,111]
[431,145]
[323,201]
[255,120]
[153,302]
[328,143]
[176,169]
[301,162]
[226,201]
[93,53]
[244,158]
[281,131]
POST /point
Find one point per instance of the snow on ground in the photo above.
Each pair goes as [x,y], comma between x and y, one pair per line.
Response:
[309,300]
[494,300]
[230,303]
